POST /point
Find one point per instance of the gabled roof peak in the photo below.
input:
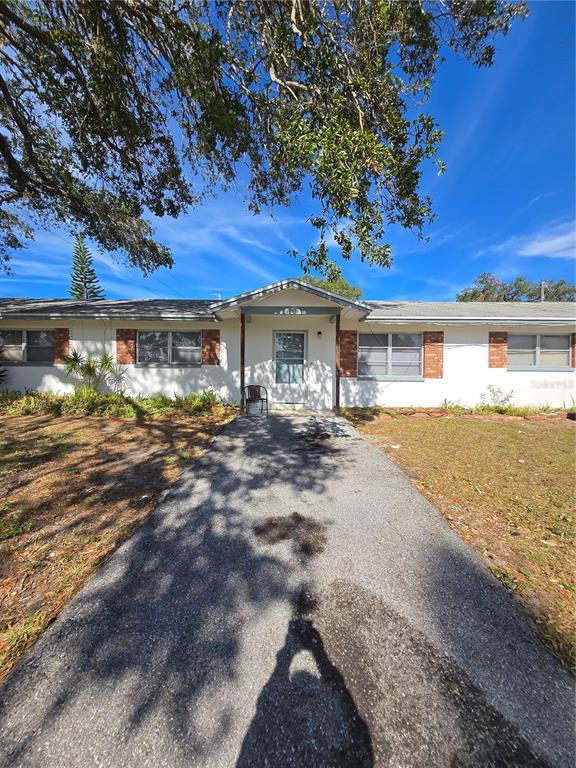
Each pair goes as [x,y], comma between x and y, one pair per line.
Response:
[292,283]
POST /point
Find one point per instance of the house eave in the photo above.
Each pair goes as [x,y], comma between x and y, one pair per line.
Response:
[520,321]
[25,316]
[290,284]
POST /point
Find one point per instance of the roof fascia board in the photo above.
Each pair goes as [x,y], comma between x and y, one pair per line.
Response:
[284,285]
[472,320]
[54,316]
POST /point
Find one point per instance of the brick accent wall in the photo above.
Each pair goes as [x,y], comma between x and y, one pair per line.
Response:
[61,344]
[497,349]
[125,346]
[573,348]
[349,354]
[433,354]
[211,347]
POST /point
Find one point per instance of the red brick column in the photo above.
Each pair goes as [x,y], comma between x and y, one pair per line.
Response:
[349,354]
[211,347]
[61,338]
[433,354]
[125,346]
[573,348]
[497,349]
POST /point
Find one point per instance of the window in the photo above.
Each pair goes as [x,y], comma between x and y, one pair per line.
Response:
[27,346]
[13,343]
[389,355]
[538,351]
[39,346]
[289,356]
[170,347]
[187,347]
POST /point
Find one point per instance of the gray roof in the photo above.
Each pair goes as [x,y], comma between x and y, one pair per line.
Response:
[473,311]
[153,309]
[377,311]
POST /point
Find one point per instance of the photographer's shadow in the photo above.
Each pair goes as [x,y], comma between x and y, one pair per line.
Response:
[305,715]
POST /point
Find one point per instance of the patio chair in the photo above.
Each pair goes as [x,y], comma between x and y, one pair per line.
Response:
[256,393]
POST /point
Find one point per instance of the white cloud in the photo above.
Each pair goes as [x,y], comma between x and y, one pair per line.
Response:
[124,290]
[555,241]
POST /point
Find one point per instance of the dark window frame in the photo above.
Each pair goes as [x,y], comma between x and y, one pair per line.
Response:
[26,346]
[169,362]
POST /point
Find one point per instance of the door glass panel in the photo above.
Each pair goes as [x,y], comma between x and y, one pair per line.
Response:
[289,346]
[289,357]
[289,372]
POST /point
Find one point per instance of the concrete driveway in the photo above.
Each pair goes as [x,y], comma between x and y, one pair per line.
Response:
[293,601]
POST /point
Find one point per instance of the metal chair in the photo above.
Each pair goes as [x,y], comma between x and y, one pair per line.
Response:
[256,393]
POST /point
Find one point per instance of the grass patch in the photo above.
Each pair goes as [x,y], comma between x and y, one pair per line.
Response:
[73,489]
[12,525]
[507,488]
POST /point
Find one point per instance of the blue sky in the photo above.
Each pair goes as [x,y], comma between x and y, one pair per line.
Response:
[506,203]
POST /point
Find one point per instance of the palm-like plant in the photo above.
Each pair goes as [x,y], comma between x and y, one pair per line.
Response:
[93,371]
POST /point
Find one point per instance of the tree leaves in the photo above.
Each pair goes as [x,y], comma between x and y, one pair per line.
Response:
[84,283]
[113,110]
[488,287]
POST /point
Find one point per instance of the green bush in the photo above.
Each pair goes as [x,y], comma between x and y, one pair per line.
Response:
[89,402]
[156,405]
[196,402]
[17,404]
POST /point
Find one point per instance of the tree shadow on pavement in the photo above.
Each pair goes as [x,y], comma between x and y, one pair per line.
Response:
[307,716]
[157,631]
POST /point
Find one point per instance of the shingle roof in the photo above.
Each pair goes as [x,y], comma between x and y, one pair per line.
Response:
[468,311]
[186,309]
[191,309]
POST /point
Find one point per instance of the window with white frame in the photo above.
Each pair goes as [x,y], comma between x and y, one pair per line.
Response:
[389,355]
[27,346]
[535,350]
[170,347]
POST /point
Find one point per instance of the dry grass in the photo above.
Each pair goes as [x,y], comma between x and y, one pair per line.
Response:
[71,490]
[507,487]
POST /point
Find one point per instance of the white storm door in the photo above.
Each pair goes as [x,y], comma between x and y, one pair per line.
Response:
[290,366]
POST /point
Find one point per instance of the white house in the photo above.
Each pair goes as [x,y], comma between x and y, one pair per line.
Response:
[307,346]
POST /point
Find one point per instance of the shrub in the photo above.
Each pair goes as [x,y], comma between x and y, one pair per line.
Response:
[496,401]
[156,405]
[16,404]
[7,397]
[197,402]
[89,402]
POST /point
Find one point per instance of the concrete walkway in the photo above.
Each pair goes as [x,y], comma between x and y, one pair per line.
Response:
[294,601]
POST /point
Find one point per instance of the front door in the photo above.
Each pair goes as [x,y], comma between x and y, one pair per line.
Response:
[290,367]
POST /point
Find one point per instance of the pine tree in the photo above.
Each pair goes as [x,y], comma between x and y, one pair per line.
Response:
[84,282]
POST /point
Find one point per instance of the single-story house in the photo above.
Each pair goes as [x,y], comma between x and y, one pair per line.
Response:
[307,346]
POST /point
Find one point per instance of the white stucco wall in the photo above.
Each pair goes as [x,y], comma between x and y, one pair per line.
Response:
[98,337]
[318,390]
[172,380]
[466,373]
